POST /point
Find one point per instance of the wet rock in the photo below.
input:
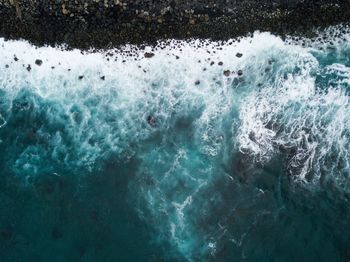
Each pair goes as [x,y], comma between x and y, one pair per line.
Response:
[151,120]
[227,73]
[149,55]
[78,23]
[38,62]
[271,61]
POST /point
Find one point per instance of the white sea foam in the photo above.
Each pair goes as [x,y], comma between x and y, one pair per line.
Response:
[183,117]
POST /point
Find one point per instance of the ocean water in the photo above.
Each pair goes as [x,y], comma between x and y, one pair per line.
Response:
[207,151]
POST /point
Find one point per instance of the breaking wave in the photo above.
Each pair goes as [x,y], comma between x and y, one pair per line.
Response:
[225,135]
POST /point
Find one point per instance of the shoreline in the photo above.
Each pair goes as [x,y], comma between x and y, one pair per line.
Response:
[106,24]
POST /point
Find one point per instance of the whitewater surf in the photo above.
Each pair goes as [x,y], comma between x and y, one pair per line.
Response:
[187,151]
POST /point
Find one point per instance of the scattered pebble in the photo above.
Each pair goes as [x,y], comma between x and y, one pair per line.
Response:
[38,62]
[227,73]
[149,55]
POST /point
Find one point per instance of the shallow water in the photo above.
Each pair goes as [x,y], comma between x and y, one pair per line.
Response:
[106,156]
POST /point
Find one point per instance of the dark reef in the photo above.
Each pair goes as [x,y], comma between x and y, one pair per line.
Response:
[108,23]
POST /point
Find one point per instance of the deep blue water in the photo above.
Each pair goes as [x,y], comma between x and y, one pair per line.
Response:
[234,151]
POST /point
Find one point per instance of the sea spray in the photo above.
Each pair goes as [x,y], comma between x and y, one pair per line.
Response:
[235,150]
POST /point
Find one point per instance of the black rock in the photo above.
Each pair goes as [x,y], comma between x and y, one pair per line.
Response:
[151,120]
[220,63]
[103,78]
[149,55]
[227,73]
[29,68]
[239,72]
[239,55]
[81,77]
[197,82]
[38,62]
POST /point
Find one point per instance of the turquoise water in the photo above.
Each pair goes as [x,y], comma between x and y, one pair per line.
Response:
[207,151]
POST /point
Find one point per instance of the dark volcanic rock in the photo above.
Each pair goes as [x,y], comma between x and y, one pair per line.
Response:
[103,24]
[227,73]
[38,62]
[149,55]
[151,120]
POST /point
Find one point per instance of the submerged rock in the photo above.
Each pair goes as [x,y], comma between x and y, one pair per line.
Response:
[151,120]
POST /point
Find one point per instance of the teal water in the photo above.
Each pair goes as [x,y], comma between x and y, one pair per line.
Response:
[115,157]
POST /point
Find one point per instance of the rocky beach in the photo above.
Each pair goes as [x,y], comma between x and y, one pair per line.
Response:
[109,23]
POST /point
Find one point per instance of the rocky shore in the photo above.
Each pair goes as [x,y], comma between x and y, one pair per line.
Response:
[108,23]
